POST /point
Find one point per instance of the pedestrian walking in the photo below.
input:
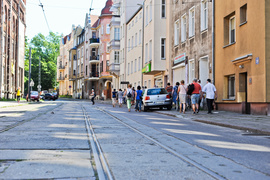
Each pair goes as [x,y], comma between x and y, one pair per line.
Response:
[120,97]
[195,97]
[169,89]
[128,94]
[182,92]
[93,95]
[18,94]
[200,100]
[114,94]
[175,94]
[138,95]
[133,96]
[211,93]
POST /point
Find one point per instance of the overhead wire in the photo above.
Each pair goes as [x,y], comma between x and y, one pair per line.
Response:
[41,5]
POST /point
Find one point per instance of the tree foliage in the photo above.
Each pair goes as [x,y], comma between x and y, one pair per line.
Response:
[47,50]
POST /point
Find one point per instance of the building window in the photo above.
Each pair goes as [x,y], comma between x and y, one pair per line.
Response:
[150,11]
[192,22]
[117,33]
[102,29]
[108,29]
[149,83]
[129,45]
[150,50]
[163,8]
[163,48]
[183,28]
[78,54]
[131,68]
[136,37]
[232,30]
[128,68]
[146,53]
[140,36]
[139,63]
[204,15]
[229,29]
[86,70]
[176,33]
[243,14]
[231,87]
[146,16]
[132,40]
[135,65]
[191,70]
[116,57]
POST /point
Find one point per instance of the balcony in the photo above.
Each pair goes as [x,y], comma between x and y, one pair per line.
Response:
[93,76]
[61,67]
[94,59]
[114,45]
[61,78]
[114,69]
[94,42]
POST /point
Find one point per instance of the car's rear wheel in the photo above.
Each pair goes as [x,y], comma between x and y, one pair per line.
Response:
[160,108]
[169,107]
[145,108]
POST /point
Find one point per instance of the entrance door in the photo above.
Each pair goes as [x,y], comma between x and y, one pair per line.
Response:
[243,93]
[204,70]
[109,90]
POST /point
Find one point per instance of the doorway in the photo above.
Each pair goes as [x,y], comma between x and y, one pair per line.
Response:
[243,93]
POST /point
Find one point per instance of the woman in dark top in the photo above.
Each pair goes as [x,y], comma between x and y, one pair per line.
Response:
[138,95]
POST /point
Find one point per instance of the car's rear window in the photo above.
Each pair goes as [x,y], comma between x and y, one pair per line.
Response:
[34,93]
[156,91]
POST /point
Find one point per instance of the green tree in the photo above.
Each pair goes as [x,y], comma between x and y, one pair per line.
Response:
[46,49]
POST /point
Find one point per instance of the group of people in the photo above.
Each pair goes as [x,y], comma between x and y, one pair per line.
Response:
[194,92]
[131,95]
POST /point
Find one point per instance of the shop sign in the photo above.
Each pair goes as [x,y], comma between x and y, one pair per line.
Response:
[147,68]
[180,58]
[257,60]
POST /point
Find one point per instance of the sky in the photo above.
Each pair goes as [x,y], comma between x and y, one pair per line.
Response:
[60,14]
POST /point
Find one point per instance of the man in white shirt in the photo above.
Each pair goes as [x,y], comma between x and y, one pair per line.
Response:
[211,94]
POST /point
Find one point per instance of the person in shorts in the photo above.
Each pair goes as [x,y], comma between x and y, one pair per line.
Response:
[195,97]
[114,94]
[182,91]
[120,97]
[18,94]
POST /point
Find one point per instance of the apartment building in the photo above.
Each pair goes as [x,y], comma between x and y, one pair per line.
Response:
[189,41]
[134,49]
[114,49]
[154,37]
[12,45]
[63,65]
[242,56]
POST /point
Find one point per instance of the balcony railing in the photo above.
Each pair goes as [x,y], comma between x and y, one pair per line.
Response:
[114,67]
[94,58]
[94,40]
[61,67]
[94,74]
[61,78]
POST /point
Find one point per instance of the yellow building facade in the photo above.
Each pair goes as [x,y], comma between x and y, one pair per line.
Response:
[242,56]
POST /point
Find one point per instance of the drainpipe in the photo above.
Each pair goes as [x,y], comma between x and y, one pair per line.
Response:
[213,41]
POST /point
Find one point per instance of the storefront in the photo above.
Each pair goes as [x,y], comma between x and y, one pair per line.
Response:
[180,69]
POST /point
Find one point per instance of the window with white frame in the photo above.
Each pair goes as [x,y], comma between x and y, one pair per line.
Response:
[231,87]
[139,64]
[145,83]
[131,67]
[116,57]
[146,52]
[135,65]
[192,22]
[129,45]
[146,15]
[204,15]
[176,32]
[108,29]
[116,33]
[140,36]
[132,40]
[163,8]
[232,30]
[136,37]
[102,29]
[82,52]
[149,83]
[191,70]
[150,11]
[183,28]
[150,50]
[78,56]
[163,48]
[128,68]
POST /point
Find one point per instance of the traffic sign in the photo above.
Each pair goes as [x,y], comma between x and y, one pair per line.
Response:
[32,83]
[39,86]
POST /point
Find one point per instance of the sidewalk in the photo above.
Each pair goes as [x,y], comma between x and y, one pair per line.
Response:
[252,124]
[5,104]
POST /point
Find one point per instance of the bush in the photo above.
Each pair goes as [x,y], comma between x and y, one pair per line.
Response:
[4,99]
[65,96]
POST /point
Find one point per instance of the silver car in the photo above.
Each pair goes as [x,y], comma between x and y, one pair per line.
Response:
[156,98]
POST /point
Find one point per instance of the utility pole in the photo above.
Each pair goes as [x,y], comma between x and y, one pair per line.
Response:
[39,77]
[29,75]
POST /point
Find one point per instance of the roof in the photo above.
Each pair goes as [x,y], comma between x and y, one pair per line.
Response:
[96,24]
[106,9]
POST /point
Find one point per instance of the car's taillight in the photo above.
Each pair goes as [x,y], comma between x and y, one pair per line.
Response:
[147,98]
[168,96]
